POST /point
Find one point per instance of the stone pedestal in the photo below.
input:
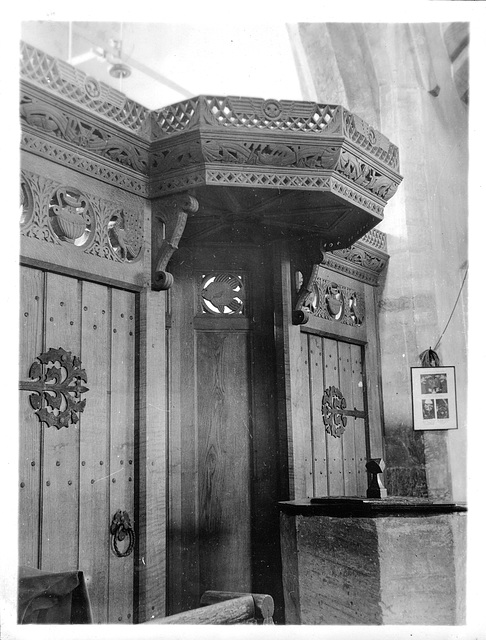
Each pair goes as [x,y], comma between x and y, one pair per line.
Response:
[365,563]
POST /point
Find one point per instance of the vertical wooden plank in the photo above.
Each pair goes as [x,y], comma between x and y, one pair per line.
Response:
[318,431]
[287,347]
[302,432]
[334,445]
[349,454]
[31,345]
[265,440]
[151,453]
[373,377]
[61,446]
[183,555]
[224,426]
[122,453]
[94,507]
[357,388]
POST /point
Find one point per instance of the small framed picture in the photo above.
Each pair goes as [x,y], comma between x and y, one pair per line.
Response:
[434,398]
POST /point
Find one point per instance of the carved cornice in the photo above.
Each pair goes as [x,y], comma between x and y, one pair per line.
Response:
[62,80]
[364,260]
[287,116]
[332,173]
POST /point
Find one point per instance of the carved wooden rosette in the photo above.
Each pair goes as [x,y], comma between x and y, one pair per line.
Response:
[170,217]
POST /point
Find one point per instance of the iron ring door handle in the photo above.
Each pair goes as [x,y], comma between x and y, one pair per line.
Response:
[120,529]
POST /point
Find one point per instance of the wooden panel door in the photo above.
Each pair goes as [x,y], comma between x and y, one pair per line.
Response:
[336,459]
[75,477]
[223,478]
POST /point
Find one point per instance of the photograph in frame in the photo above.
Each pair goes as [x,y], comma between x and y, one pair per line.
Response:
[434,398]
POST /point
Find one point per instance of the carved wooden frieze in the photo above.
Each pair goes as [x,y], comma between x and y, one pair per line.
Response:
[334,172]
[365,260]
[63,215]
[287,116]
[65,81]
[325,299]
[80,134]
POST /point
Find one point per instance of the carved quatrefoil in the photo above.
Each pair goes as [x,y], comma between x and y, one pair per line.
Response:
[57,384]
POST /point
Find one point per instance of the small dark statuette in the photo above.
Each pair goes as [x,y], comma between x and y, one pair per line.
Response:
[376,488]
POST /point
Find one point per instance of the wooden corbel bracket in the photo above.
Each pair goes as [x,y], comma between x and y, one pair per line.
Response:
[170,219]
[306,256]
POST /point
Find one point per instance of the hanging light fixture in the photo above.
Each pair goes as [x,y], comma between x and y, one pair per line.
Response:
[118,69]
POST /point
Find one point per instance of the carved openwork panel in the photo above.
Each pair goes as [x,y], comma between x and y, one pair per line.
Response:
[56,382]
[61,124]
[325,299]
[222,293]
[365,260]
[248,113]
[64,215]
[67,81]
[274,115]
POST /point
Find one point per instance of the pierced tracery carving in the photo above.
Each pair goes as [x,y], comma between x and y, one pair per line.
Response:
[82,133]
[56,384]
[323,298]
[125,235]
[69,216]
[67,81]
[63,215]
[222,294]
[365,176]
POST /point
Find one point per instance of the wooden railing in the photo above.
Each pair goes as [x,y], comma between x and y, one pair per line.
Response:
[225,607]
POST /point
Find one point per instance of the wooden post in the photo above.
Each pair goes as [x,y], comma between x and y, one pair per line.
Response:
[151,559]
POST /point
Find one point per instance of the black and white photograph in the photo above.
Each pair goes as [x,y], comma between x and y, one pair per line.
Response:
[434,398]
[243,266]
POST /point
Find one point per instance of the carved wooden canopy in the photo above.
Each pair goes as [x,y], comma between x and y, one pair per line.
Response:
[255,169]
[287,168]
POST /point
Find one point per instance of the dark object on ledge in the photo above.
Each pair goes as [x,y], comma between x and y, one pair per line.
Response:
[225,607]
[355,506]
[376,488]
[52,598]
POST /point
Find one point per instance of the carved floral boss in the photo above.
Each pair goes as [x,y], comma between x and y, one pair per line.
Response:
[334,412]
[57,384]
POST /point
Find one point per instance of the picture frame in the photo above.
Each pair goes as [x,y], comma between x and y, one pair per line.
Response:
[434,398]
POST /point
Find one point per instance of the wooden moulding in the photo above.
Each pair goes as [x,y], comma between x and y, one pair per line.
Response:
[225,607]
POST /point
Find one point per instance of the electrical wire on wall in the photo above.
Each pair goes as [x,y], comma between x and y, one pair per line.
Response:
[429,357]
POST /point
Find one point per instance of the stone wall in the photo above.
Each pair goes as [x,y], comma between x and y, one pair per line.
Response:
[398,77]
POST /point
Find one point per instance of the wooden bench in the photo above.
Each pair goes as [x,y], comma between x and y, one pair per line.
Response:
[225,607]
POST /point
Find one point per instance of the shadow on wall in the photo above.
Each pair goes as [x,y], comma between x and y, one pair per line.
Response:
[405,462]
